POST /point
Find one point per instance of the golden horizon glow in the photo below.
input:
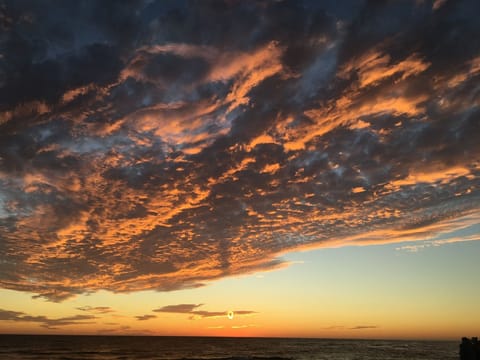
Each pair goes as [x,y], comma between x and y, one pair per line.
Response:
[279,168]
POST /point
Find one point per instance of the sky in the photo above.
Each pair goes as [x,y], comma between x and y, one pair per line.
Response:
[233,168]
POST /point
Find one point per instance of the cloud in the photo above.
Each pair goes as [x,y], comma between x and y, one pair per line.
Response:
[49,323]
[465,233]
[357,327]
[243,326]
[180,308]
[122,329]
[334,327]
[145,317]
[202,141]
[96,309]
[200,314]
[363,327]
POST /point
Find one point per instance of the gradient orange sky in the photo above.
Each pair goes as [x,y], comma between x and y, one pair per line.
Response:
[312,167]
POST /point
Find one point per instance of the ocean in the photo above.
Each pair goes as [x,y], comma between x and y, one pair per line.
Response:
[189,348]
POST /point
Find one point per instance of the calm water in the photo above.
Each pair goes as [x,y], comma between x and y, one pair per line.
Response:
[125,347]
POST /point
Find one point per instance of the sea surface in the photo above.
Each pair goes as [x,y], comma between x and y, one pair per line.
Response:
[176,348]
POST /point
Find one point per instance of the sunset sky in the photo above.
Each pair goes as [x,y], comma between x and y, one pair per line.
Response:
[310,168]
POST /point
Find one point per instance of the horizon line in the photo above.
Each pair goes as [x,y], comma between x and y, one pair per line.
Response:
[245,337]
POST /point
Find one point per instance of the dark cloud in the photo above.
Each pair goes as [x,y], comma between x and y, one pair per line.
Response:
[163,145]
[180,308]
[6,315]
[190,309]
[145,317]
[96,309]
[363,327]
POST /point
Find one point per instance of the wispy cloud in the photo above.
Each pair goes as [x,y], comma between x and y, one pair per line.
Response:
[46,322]
[179,308]
[334,327]
[363,327]
[245,326]
[119,329]
[199,314]
[467,231]
[145,317]
[96,309]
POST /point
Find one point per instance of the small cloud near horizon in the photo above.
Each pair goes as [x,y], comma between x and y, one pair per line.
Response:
[363,327]
[96,309]
[198,314]
[44,321]
[145,317]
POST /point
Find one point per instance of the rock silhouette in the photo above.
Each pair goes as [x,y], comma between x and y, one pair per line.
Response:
[470,349]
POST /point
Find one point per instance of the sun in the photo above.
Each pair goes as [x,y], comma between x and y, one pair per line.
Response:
[230,315]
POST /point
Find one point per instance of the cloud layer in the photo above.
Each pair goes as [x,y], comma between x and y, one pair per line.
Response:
[162,145]
[198,314]
[44,321]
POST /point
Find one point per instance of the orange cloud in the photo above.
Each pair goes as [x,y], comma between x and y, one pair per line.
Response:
[375,66]
[192,161]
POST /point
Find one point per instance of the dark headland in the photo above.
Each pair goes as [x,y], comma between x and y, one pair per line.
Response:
[470,349]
